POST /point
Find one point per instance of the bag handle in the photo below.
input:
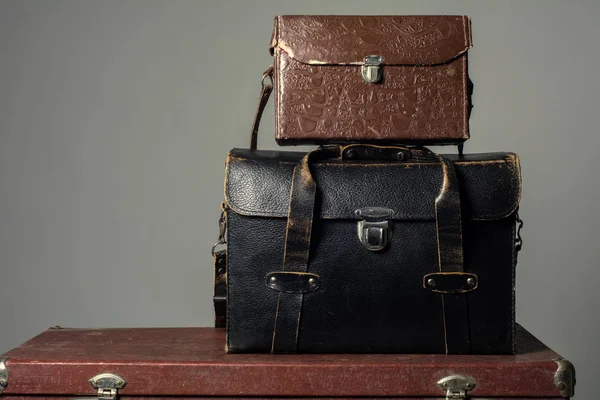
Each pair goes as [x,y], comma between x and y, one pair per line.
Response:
[299,231]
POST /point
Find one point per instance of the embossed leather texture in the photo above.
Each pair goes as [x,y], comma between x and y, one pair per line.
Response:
[321,96]
[371,301]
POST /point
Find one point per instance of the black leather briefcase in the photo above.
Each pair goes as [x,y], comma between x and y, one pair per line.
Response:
[370,249]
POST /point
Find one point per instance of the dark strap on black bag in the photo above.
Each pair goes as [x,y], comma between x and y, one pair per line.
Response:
[297,252]
[297,249]
[450,251]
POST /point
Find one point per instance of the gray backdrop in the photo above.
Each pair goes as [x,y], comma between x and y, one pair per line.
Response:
[116,117]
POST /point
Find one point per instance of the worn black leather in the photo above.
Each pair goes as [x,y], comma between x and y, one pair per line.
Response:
[370,301]
[258,184]
[450,251]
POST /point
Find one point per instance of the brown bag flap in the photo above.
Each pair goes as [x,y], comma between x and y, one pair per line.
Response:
[401,40]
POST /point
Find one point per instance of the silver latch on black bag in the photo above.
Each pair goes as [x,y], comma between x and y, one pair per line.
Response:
[372,70]
[374,231]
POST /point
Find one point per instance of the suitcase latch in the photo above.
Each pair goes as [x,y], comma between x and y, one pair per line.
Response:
[372,70]
[108,386]
[374,229]
[456,386]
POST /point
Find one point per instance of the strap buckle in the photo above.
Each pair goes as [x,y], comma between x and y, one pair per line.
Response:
[519,239]
[222,230]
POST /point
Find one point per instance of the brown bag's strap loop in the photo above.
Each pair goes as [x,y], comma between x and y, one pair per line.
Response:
[298,237]
[263,99]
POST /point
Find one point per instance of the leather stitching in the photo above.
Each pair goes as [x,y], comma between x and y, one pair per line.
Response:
[287,230]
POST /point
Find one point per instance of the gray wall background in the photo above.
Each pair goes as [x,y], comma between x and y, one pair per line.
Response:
[116,117]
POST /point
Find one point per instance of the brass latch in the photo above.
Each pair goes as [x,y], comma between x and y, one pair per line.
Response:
[456,386]
[372,70]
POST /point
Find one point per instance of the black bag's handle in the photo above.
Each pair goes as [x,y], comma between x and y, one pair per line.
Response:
[299,231]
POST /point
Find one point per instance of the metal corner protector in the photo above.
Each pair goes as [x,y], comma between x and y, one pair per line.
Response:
[3,374]
[564,378]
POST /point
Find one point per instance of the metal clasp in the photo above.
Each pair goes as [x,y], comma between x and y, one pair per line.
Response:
[372,70]
[456,386]
[222,230]
[374,230]
[108,386]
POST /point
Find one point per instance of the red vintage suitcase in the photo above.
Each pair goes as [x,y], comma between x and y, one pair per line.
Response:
[191,362]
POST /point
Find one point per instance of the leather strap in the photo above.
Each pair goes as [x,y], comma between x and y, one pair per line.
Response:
[297,249]
[450,251]
[263,99]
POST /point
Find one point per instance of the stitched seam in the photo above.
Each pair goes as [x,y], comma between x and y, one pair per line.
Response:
[513,278]
[228,302]
[287,229]
[445,328]
[308,237]
[465,107]
[274,214]
[298,322]
[275,324]
[437,233]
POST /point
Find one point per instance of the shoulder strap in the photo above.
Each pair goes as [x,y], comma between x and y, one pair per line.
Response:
[263,99]
[297,249]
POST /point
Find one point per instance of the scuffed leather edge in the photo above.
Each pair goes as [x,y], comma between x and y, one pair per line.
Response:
[263,213]
[274,36]
[468,28]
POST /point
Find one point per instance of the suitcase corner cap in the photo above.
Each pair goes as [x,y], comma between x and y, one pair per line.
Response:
[3,374]
[564,378]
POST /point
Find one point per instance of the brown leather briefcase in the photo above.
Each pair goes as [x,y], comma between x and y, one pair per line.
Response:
[399,79]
